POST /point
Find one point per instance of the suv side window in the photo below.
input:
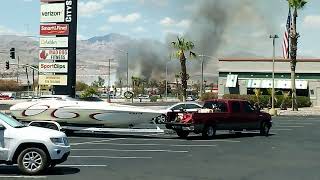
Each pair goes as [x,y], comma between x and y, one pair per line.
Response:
[235,106]
[192,106]
[178,107]
[248,107]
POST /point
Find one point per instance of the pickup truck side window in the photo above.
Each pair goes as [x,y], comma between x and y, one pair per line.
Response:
[235,106]
[248,107]
[219,106]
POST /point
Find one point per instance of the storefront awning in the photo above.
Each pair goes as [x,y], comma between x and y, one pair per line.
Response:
[278,83]
[232,80]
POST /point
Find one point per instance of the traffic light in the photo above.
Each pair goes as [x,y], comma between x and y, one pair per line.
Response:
[7,65]
[12,53]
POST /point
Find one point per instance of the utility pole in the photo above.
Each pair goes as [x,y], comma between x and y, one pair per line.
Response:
[109,100]
[127,71]
[272,110]
[18,70]
[201,84]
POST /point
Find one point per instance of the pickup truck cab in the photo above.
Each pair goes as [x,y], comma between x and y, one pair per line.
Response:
[33,149]
[220,114]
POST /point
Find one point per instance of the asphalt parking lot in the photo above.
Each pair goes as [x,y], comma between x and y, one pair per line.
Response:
[291,152]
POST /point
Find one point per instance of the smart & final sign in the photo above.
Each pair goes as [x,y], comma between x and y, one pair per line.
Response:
[54,29]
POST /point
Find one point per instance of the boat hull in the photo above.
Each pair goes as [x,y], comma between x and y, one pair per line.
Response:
[77,112]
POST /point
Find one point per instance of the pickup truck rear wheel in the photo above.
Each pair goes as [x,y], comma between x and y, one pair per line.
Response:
[209,131]
[32,161]
[182,134]
[264,129]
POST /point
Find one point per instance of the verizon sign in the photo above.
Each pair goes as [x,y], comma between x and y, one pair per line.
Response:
[54,12]
[53,80]
[54,29]
[53,42]
[53,54]
[61,67]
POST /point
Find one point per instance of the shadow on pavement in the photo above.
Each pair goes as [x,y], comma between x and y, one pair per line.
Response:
[154,136]
[14,171]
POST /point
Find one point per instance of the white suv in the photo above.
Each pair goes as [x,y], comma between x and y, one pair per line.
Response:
[34,149]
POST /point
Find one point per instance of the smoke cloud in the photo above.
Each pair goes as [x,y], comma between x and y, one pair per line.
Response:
[218,28]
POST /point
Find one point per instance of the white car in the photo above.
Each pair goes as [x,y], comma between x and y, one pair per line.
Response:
[33,149]
[179,107]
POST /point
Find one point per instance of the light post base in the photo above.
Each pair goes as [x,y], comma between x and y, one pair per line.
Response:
[273,112]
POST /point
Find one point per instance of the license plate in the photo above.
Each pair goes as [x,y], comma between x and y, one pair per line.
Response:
[177,127]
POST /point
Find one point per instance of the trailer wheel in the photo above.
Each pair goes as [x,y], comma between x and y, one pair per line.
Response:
[182,134]
[209,131]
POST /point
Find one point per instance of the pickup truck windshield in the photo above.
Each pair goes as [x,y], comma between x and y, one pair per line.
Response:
[10,121]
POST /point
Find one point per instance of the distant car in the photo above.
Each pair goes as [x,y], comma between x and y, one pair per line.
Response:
[191,98]
[143,96]
[179,107]
[92,98]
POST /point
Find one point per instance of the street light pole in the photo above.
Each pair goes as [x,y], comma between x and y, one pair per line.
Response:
[127,71]
[272,110]
[201,88]
[109,100]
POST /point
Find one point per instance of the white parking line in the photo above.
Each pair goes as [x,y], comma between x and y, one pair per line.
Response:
[186,140]
[81,165]
[91,142]
[132,150]
[112,157]
[281,129]
[191,145]
[293,123]
[25,177]
[290,126]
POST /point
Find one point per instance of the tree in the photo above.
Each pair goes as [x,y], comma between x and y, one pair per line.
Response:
[182,46]
[99,83]
[89,92]
[295,5]
[81,86]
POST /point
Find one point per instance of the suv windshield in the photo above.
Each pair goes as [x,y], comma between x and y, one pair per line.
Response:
[10,121]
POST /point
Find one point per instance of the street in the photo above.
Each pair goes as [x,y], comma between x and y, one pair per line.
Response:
[291,152]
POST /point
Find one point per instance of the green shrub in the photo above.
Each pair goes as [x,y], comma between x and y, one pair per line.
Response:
[266,99]
[208,96]
[154,98]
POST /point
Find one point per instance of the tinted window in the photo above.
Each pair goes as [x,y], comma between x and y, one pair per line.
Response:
[235,106]
[248,107]
[192,106]
[177,107]
[220,106]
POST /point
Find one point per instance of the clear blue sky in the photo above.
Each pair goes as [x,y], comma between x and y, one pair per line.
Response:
[153,19]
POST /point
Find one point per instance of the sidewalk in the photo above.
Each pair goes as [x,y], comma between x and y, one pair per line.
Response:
[306,111]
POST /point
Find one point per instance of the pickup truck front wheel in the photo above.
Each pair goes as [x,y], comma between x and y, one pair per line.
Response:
[182,134]
[32,161]
[264,129]
[209,132]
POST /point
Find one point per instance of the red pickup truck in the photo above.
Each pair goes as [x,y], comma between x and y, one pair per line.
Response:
[220,114]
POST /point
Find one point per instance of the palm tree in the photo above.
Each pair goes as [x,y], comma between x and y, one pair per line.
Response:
[295,5]
[182,46]
[177,76]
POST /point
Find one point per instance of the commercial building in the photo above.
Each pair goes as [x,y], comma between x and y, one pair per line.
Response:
[243,75]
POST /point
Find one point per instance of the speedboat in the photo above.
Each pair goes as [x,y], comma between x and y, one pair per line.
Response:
[66,111]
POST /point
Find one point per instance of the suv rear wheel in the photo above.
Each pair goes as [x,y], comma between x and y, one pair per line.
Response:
[32,161]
